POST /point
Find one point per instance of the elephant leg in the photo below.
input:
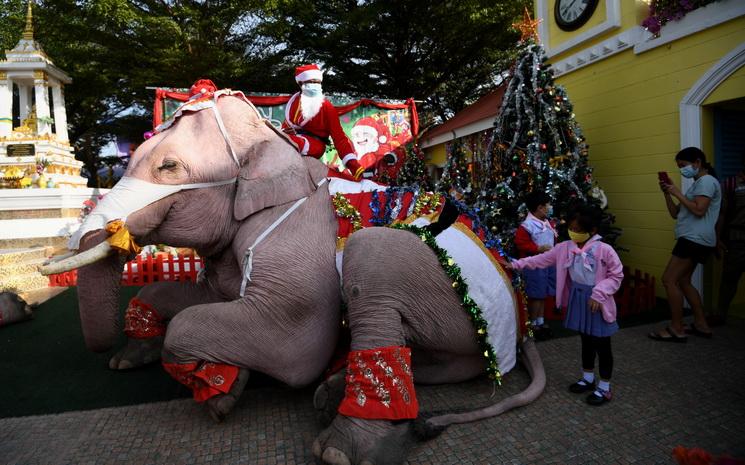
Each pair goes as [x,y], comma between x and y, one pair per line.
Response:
[220,405]
[397,295]
[328,396]
[212,348]
[147,315]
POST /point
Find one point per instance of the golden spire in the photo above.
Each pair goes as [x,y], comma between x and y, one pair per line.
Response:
[528,27]
[28,33]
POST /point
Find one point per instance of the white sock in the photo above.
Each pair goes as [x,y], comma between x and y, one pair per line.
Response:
[604,385]
[588,376]
[538,321]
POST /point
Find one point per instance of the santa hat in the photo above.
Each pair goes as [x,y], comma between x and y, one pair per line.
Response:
[380,128]
[202,87]
[307,73]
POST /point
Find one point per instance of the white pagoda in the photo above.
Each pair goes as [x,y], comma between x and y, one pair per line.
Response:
[33,122]
[38,211]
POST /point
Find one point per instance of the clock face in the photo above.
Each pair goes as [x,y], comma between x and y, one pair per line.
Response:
[572,14]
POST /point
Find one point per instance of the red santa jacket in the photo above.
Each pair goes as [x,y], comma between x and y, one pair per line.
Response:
[324,124]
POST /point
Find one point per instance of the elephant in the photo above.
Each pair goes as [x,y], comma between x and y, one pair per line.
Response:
[13,308]
[231,186]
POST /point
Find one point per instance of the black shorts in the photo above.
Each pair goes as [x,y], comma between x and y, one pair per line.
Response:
[692,251]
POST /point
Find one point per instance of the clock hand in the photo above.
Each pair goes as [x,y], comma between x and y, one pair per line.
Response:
[571,4]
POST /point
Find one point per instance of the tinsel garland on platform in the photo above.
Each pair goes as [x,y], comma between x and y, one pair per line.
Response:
[460,286]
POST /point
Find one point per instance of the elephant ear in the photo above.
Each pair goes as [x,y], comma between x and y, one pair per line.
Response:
[274,174]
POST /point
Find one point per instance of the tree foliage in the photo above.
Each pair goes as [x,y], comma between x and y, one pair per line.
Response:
[114,49]
[443,52]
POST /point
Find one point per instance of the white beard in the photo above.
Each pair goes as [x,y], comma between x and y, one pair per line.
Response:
[310,106]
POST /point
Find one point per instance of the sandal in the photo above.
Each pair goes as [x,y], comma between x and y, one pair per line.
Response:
[671,336]
[694,330]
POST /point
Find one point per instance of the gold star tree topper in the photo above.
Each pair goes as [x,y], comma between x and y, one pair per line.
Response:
[528,27]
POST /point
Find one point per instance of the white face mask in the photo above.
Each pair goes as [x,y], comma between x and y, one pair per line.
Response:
[128,196]
[312,89]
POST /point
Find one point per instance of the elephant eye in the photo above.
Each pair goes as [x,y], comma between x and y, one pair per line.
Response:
[168,165]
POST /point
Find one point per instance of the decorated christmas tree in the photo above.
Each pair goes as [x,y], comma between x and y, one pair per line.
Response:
[536,144]
[456,177]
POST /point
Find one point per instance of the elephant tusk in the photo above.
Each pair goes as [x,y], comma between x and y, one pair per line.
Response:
[76,261]
[58,258]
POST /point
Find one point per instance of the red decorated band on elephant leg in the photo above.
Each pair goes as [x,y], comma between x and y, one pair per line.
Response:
[142,321]
[205,379]
[380,385]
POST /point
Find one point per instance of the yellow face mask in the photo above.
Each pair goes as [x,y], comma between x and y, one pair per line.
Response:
[579,237]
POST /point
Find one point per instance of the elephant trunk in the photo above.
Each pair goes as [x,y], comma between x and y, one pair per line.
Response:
[98,296]
[532,361]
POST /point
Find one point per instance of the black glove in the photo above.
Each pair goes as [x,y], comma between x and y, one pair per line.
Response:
[389,158]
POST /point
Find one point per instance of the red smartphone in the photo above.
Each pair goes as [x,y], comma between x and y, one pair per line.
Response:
[663,177]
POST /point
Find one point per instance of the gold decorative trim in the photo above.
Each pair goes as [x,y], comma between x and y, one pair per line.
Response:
[40,75]
[28,32]
[3,76]
[465,230]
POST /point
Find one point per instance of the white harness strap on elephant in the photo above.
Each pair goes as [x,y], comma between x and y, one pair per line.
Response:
[248,256]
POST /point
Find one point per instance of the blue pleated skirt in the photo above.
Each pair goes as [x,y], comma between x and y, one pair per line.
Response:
[580,318]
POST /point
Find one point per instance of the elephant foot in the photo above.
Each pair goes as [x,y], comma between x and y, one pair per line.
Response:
[136,353]
[328,397]
[354,441]
[221,405]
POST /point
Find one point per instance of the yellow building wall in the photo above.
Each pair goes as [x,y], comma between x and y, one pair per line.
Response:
[633,13]
[627,106]
[436,155]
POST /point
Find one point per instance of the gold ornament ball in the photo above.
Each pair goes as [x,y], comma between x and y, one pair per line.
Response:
[530,133]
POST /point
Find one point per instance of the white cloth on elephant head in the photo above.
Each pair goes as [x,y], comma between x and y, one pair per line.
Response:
[128,196]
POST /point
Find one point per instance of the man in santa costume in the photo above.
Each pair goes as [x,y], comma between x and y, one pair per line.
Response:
[310,119]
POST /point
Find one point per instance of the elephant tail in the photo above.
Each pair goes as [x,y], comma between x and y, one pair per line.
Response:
[427,428]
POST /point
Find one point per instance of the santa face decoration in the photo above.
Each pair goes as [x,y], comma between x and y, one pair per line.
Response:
[365,139]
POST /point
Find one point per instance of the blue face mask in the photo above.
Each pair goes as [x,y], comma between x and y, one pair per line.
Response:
[312,89]
[688,171]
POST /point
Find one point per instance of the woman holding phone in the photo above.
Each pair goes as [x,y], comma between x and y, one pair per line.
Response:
[696,213]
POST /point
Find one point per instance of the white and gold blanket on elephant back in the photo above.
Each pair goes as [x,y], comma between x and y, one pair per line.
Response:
[470,256]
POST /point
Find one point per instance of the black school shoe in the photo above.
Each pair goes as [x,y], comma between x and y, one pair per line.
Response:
[581,386]
[599,397]
[542,333]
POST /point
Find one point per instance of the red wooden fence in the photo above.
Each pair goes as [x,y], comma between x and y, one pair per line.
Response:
[145,270]
[637,293]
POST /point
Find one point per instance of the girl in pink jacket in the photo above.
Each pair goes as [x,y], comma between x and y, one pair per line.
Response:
[588,273]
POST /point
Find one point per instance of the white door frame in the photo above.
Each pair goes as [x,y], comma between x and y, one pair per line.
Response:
[690,115]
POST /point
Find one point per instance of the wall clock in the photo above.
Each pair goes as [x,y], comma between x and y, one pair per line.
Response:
[570,15]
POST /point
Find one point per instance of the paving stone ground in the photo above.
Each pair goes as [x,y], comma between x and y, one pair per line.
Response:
[665,395]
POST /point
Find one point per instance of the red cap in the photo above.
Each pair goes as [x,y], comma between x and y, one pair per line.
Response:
[202,86]
[307,72]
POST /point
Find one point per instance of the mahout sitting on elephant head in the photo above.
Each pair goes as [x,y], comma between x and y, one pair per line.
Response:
[220,179]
